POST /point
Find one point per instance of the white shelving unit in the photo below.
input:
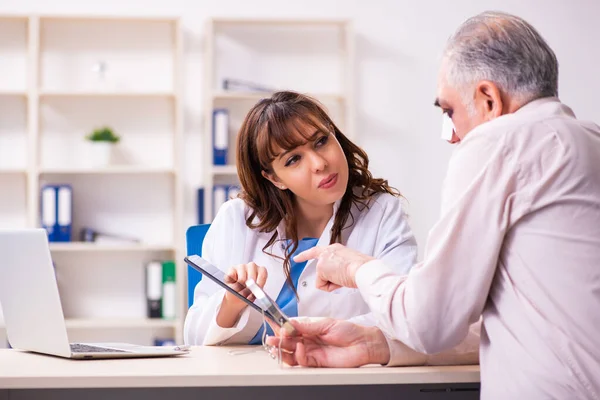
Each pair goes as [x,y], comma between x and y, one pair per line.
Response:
[93,248]
[14,134]
[275,54]
[119,323]
[116,323]
[53,99]
[118,170]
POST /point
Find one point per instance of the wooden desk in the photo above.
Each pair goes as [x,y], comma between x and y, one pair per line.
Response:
[215,373]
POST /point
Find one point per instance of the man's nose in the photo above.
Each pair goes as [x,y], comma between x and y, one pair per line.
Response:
[455,139]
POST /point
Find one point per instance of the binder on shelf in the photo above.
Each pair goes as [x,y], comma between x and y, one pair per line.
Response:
[169,301]
[219,197]
[93,236]
[220,136]
[154,289]
[48,211]
[200,206]
[240,85]
[164,342]
[222,193]
[57,212]
[233,191]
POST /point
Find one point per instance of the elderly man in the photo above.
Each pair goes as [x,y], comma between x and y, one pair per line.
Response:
[517,243]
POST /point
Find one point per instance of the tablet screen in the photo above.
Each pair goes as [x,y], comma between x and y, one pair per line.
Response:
[218,277]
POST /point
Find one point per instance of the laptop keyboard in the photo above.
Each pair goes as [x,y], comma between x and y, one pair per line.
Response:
[84,348]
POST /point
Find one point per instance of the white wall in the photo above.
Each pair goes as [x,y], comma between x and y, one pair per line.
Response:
[398,45]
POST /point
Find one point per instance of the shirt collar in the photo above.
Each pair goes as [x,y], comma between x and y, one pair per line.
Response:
[537,103]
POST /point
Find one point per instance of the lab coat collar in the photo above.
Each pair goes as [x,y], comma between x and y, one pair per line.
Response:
[325,236]
[280,245]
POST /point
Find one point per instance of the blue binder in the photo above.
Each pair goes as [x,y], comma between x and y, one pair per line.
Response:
[219,196]
[57,212]
[220,131]
[223,193]
[232,191]
[200,205]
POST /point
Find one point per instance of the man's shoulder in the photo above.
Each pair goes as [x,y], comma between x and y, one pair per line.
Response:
[539,117]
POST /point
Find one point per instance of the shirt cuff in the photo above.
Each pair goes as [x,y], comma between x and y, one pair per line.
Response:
[369,273]
[375,290]
[403,356]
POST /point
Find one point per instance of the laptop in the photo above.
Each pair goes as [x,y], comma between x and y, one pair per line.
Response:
[32,309]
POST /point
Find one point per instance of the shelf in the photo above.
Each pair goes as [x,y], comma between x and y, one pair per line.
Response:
[74,247]
[116,323]
[119,323]
[15,93]
[14,17]
[224,170]
[78,94]
[123,170]
[284,22]
[324,97]
[104,18]
[15,171]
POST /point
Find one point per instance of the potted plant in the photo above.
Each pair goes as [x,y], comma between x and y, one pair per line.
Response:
[101,142]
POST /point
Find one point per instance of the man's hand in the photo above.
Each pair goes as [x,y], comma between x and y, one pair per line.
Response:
[332,343]
[336,265]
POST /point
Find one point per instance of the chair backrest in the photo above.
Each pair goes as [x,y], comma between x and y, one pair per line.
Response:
[194,237]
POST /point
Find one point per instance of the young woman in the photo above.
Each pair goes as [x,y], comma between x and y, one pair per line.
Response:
[303,184]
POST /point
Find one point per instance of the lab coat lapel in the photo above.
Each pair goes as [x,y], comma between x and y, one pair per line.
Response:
[274,265]
[274,286]
[324,239]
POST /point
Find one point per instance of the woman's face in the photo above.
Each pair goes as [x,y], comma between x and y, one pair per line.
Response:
[316,171]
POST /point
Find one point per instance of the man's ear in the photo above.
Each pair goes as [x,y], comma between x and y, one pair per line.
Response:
[273,179]
[488,100]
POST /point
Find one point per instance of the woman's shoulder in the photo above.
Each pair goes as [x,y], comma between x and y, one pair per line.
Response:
[387,200]
[234,213]
[381,203]
[231,211]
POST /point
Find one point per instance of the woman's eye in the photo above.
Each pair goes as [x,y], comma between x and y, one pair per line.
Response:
[322,140]
[448,113]
[291,160]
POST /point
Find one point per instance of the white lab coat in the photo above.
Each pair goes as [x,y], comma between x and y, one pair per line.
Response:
[381,231]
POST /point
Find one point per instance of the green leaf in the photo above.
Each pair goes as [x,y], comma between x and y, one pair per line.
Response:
[104,134]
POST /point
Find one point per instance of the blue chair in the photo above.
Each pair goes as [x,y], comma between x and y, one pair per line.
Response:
[194,237]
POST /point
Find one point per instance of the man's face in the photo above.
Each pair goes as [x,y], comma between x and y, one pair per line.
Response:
[451,103]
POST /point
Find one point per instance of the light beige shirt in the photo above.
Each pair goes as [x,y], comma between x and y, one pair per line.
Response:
[518,243]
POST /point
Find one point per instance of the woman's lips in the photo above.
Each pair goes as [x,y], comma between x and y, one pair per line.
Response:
[328,182]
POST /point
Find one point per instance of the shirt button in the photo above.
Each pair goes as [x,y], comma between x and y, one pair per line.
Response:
[304,283]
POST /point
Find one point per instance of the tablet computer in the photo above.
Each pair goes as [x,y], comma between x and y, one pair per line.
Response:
[270,306]
[216,275]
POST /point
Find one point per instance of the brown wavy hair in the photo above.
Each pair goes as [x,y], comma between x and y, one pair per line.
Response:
[276,123]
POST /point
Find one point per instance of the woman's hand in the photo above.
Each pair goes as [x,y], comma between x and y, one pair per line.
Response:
[232,307]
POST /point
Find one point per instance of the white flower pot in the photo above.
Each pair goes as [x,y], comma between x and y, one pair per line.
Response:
[99,154]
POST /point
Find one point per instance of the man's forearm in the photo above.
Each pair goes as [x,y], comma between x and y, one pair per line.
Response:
[467,352]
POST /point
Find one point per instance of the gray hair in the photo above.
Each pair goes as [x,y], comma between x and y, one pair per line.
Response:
[503,49]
